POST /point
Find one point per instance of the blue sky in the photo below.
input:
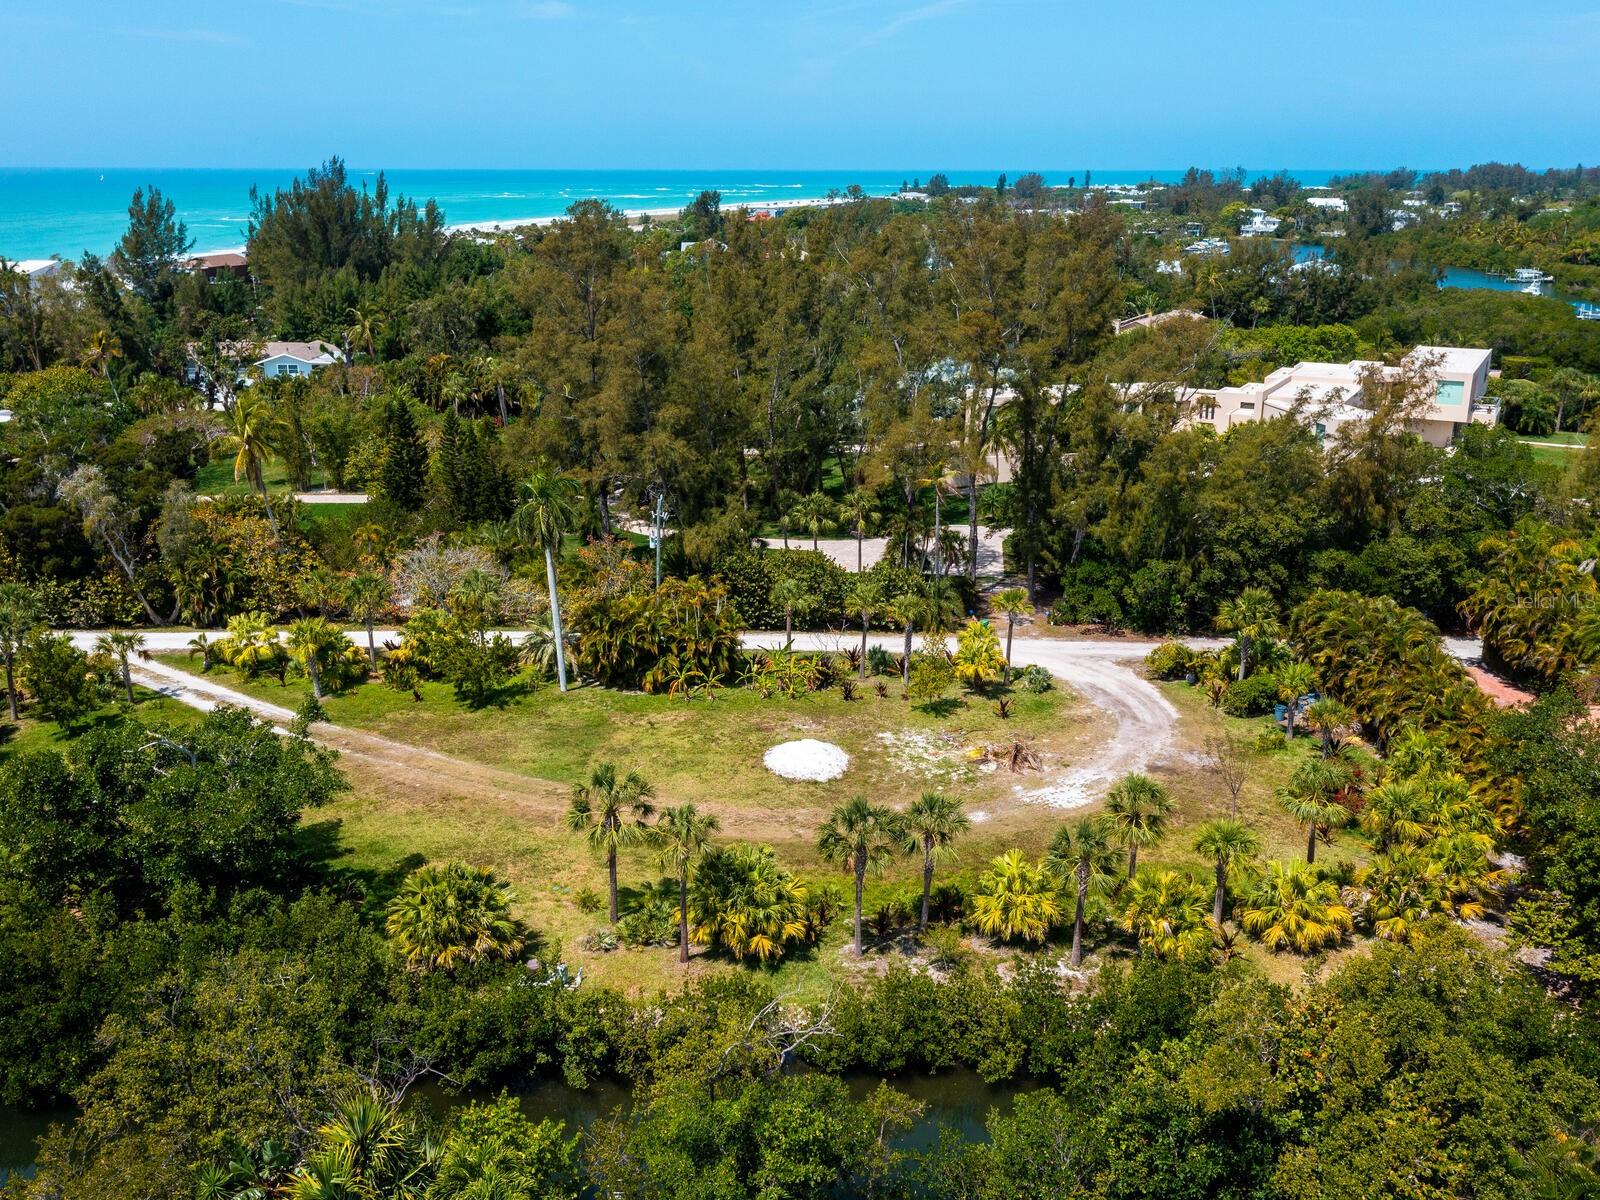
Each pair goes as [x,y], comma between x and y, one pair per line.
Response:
[846,83]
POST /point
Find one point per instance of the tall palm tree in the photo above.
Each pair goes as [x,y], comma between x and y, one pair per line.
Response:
[865,599]
[790,594]
[1014,605]
[1293,909]
[449,916]
[682,836]
[365,328]
[1295,679]
[857,511]
[548,509]
[812,513]
[1229,844]
[366,596]
[20,617]
[1311,798]
[1016,899]
[859,835]
[1138,807]
[254,434]
[102,350]
[1084,851]
[906,609]
[1251,617]
[311,640]
[118,646]
[931,824]
[612,812]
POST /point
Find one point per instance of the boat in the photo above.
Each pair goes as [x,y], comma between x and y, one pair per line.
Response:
[1530,275]
[1587,312]
[1533,289]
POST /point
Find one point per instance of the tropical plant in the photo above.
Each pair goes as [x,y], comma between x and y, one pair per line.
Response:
[978,656]
[1138,808]
[1230,845]
[812,513]
[118,646]
[1293,908]
[251,644]
[1016,899]
[1295,680]
[20,619]
[792,596]
[547,508]
[1083,852]
[682,837]
[1166,911]
[611,812]
[1252,618]
[1397,812]
[1311,797]
[313,644]
[931,824]
[856,511]
[1328,717]
[743,903]
[450,916]
[254,435]
[1014,605]
[865,600]
[906,610]
[367,597]
[860,836]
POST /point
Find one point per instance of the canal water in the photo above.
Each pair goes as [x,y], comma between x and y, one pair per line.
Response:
[1465,277]
[957,1100]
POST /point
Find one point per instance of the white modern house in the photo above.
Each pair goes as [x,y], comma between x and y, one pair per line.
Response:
[34,269]
[1329,203]
[1329,395]
[1259,224]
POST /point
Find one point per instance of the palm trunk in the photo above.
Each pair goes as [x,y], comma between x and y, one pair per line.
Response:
[1011,627]
[1288,729]
[1244,656]
[1077,919]
[127,680]
[611,871]
[1217,900]
[927,880]
[311,670]
[683,918]
[905,665]
[864,623]
[11,683]
[372,645]
[1311,845]
[261,485]
[972,527]
[788,628]
[860,533]
[861,881]
[561,669]
[1133,860]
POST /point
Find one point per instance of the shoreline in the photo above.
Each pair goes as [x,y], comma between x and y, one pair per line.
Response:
[634,216]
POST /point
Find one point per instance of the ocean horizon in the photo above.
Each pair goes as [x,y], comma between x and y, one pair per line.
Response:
[67,212]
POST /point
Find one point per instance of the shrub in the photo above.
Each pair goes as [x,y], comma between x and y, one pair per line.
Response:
[654,922]
[880,661]
[932,675]
[1170,660]
[751,575]
[1034,678]
[589,901]
[1252,697]
[684,629]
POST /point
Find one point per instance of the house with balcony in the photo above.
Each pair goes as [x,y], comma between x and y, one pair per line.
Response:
[1328,396]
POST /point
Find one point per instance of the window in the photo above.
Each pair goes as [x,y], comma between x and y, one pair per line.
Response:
[1452,392]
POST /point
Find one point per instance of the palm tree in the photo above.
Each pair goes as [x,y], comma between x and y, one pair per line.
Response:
[745,903]
[1292,908]
[682,837]
[1397,812]
[812,513]
[365,328]
[1229,845]
[942,609]
[858,835]
[310,640]
[612,812]
[865,599]
[906,608]
[103,349]
[1084,851]
[19,619]
[1016,899]
[790,594]
[253,437]
[549,507]
[1166,911]
[1295,679]
[1251,617]
[367,596]
[1327,717]
[251,645]
[445,917]
[1138,807]
[1311,798]
[931,824]
[118,646]
[1014,605]
[856,511]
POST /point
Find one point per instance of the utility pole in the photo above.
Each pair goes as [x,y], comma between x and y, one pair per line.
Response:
[658,521]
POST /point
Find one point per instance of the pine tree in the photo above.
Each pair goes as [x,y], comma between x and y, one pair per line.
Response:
[402,478]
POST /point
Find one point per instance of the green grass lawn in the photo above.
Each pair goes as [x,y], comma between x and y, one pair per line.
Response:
[1560,439]
[216,479]
[32,733]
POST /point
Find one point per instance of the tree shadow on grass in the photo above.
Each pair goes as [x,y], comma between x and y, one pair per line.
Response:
[944,707]
[321,845]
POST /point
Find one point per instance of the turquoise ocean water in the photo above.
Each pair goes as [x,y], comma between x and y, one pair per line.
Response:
[68,212]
